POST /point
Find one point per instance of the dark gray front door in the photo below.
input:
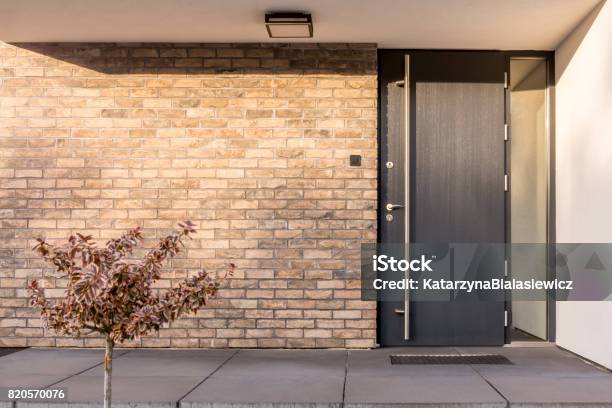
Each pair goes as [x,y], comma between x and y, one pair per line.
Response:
[450,110]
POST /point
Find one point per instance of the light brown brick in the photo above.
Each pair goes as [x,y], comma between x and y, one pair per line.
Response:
[258,158]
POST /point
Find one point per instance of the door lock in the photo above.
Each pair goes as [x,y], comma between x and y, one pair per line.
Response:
[391,207]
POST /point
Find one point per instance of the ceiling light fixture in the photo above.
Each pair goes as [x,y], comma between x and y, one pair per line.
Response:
[289,25]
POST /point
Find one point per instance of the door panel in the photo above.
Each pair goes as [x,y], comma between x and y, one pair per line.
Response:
[456,172]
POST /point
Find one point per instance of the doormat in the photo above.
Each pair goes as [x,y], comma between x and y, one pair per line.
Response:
[412,359]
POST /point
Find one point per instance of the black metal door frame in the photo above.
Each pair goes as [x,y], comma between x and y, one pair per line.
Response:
[395,68]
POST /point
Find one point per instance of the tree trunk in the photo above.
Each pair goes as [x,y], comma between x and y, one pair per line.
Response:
[108,371]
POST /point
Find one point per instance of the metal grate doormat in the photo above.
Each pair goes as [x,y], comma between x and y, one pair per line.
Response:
[412,359]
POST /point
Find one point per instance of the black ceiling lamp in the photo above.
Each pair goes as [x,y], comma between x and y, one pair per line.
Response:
[289,25]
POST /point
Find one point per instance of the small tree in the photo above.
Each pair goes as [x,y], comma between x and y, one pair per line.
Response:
[111,295]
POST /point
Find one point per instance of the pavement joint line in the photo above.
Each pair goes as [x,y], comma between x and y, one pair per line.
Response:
[178,402]
[346,365]
[485,380]
[491,385]
[86,369]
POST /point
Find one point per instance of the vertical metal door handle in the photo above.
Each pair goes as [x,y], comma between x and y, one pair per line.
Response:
[407,190]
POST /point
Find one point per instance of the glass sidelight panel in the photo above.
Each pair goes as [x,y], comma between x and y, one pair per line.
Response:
[529,188]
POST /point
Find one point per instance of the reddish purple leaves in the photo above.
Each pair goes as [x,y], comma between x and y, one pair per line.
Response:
[111,295]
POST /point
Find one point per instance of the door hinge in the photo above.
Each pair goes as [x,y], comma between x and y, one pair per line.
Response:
[505,318]
[505,131]
[506,186]
[505,80]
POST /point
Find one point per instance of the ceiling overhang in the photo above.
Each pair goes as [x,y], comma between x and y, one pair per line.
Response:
[452,24]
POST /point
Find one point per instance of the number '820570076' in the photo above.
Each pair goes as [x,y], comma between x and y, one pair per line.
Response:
[34,394]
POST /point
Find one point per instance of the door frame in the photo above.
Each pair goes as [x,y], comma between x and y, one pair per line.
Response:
[549,57]
[396,57]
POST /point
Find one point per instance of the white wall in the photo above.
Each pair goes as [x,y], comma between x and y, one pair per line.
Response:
[584,170]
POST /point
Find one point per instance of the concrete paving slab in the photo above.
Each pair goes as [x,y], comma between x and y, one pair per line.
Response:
[537,390]
[84,389]
[151,376]
[552,376]
[5,351]
[541,362]
[162,378]
[43,367]
[373,381]
[531,360]
[279,378]
[166,363]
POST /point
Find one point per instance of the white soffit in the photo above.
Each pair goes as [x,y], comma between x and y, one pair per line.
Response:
[467,24]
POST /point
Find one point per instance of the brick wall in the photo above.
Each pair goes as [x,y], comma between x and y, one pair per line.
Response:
[249,141]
